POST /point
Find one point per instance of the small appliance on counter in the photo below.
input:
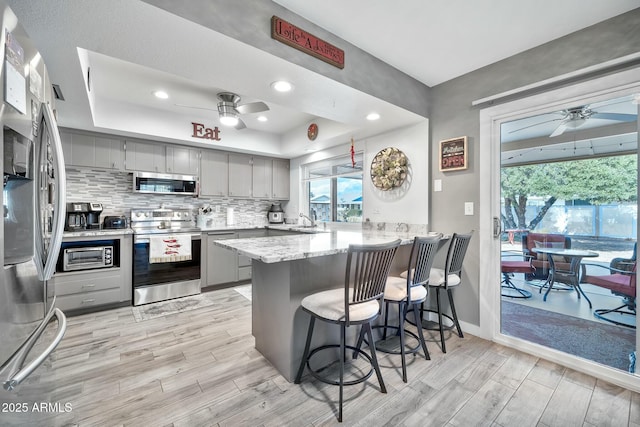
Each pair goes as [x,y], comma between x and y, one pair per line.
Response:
[276,214]
[114,222]
[83,216]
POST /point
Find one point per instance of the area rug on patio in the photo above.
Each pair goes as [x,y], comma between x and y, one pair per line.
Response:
[606,344]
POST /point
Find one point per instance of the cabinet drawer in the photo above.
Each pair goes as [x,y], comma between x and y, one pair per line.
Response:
[85,283]
[244,273]
[88,299]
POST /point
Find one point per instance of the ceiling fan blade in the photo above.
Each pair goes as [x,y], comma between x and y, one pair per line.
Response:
[559,130]
[252,107]
[240,125]
[615,116]
[197,108]
[535,124]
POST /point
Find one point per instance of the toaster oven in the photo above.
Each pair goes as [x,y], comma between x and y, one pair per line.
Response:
[88,255]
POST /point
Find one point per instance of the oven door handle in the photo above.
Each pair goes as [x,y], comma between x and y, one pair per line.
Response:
[144,238]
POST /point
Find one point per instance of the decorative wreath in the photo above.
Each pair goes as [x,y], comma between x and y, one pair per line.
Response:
[389,168]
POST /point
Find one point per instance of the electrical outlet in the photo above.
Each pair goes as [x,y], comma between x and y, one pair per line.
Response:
[468,208]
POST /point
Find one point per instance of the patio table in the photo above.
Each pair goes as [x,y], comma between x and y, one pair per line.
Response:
[570,276]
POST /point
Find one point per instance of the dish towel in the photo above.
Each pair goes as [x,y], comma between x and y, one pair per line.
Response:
[170,248]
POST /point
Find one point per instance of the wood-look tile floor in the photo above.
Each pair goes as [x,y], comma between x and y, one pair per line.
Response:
[200,368]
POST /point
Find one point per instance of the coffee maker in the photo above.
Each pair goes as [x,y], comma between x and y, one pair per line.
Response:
[83,216]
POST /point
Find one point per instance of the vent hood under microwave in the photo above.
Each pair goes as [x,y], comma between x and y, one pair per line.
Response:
[164,183]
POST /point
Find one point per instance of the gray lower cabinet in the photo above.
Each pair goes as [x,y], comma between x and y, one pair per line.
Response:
[222,264]
[244,262]
[89,289]
[219,265]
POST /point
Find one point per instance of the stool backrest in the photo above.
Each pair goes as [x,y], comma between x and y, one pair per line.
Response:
[423,252]
[455,255]
[367,271]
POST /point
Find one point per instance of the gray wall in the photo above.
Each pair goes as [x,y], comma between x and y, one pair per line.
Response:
[453,116]
[250,22]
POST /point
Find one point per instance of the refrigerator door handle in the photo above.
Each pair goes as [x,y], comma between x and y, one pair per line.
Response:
[33,365]
[57,229]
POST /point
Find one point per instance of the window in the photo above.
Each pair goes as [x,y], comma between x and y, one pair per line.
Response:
[334,189]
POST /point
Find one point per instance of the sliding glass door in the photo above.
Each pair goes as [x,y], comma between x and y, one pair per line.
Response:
[568,215]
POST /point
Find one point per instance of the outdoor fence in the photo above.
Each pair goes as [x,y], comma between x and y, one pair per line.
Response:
[615,221]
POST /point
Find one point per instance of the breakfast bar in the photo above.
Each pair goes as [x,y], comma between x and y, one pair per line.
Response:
[285,269]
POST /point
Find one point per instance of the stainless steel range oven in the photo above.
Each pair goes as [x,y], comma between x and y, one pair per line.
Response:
[166,255]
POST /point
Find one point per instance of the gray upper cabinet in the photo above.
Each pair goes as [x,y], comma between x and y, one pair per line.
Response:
[214,173]
[281,179]
[183,160]
[145,156]
[92,151]
[240,175]
[262,178]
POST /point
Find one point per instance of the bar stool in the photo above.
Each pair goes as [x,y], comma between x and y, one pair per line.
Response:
[410,292]
[359,302]
[447,279]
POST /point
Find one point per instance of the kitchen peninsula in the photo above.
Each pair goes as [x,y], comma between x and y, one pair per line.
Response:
[288,268]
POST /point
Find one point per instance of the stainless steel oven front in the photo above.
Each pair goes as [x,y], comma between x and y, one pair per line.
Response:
[159,281]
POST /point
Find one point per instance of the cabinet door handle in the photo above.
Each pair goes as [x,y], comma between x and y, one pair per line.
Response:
[88,301]
[89,285]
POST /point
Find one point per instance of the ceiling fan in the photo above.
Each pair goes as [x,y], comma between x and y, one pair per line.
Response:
[229,110]
[573,118]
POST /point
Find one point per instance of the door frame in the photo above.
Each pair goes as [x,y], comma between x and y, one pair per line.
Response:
[598,89]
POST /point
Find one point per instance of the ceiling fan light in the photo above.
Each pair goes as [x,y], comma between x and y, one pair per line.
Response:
[228,119]
[575,123]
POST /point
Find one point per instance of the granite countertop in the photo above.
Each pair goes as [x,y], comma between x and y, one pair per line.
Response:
[288,248]
[287,227]
[98,232]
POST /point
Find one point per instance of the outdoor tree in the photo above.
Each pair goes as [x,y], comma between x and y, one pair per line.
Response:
[598,181]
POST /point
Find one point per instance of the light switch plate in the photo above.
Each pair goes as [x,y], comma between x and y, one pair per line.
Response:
[437,185]
[468,208]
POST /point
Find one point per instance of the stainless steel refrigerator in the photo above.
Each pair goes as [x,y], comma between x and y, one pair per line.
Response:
[33,200]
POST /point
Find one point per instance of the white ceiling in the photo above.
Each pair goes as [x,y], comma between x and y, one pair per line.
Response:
[131,53]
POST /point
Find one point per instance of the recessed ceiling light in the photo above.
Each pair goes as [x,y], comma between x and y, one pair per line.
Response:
[373,116]
[262,118]
[282,86]
[161,94]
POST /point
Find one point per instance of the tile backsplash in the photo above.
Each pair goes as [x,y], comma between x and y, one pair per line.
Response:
[114,190]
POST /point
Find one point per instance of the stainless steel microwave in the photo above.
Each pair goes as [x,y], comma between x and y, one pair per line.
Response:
[87,258]
[164,183]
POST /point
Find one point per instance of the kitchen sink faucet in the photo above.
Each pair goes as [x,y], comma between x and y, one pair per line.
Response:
[312,221]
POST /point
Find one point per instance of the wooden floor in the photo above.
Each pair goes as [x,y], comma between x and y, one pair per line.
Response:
[199,368]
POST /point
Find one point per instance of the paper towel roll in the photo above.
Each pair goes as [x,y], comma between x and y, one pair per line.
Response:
[230,219]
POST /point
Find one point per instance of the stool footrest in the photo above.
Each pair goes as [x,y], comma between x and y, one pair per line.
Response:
[381,348]
[319,377]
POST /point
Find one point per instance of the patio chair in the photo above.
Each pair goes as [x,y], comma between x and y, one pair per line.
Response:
[508,268]
[620,282]
[531,241]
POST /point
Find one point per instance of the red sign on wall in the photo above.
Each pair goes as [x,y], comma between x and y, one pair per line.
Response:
[295,37]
